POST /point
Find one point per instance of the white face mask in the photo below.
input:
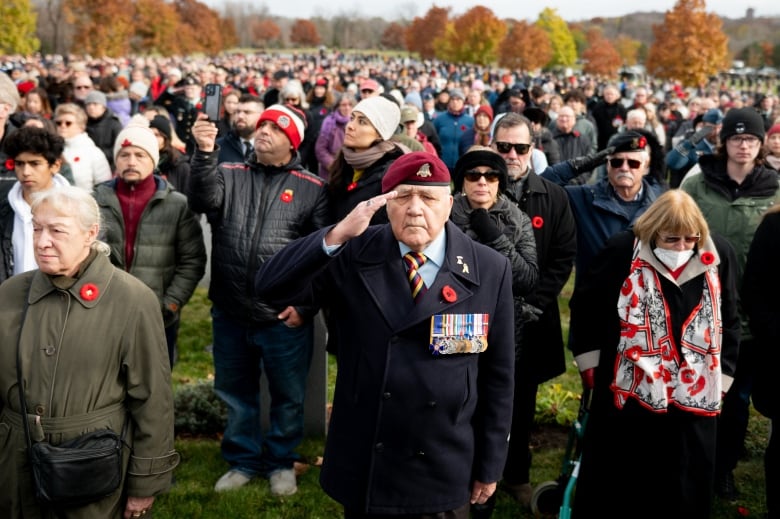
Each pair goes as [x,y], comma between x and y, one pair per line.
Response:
[673,259]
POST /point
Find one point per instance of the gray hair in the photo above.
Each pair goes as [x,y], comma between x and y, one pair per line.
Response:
[76,202]
[293,88]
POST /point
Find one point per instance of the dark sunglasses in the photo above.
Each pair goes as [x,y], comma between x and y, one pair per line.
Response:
[632,163]
[675,239]
[366,91]
[63,123]
[490,176]
[506,147]
[82,87]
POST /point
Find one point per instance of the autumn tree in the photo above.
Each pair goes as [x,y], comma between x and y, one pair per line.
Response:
[393,36]
[689,45]
[200,31]
[157,28]
[422,32]
[628,48]
[304,33]
[101,27]
[525,47]
[19,22]
[561,39]
[266,32]
[473,37]
[601,57]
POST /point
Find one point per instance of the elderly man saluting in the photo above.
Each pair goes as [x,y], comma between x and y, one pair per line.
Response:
[423,401]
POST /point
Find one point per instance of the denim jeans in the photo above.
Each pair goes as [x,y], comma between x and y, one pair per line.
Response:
[241,353]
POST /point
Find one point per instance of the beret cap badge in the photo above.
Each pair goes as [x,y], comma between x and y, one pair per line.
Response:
[424,171]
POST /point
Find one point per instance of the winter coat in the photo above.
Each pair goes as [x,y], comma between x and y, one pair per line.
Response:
[175,168]
[571,145]
[87,162]
[254,211]
[760,286]
[103,132]
[119,103]
[450,128]
[555,233]
[170,256]
[330,140]
[410,431]
[231,149]
[105,358]
[608,118]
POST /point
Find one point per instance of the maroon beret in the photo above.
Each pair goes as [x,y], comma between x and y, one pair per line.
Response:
[418,168]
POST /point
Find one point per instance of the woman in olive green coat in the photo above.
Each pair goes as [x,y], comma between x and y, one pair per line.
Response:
[93,356]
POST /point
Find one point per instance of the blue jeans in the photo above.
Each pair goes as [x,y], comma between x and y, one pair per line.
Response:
[241,353]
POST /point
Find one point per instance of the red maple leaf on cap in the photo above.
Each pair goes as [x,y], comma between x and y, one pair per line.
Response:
[126,143]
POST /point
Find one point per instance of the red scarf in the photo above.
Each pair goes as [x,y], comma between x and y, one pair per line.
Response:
[133,199]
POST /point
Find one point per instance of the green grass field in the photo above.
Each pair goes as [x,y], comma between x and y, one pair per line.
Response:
[192,497]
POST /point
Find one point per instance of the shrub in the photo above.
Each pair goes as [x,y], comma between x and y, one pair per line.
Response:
[556,405]
[199,411]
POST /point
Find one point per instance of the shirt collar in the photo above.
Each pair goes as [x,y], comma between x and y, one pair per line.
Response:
[433,252]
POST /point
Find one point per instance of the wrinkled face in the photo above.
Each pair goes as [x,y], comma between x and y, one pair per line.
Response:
[82,86]
[245,118]
[517,164]
[480,185]
[565,120]
[360,133]
[60,244]
[418,214]
[773,144]
[33,172]
[133,164]
[625,170]
[743,149]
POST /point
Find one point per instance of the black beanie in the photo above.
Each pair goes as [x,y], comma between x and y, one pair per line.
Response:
[163,125]
[472,159]
[740,121]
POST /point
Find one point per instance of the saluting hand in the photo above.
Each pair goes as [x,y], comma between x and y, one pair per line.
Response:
[358,220]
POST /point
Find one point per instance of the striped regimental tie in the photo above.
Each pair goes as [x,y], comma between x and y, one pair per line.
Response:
[415,260]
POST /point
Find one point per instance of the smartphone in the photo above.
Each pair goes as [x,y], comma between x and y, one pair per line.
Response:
[213,103]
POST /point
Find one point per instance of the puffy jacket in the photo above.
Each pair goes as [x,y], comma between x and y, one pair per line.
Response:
[450,128]
[254,211]
[169,256]
[103,132]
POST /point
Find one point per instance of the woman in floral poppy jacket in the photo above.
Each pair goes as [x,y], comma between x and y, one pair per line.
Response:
[657,336]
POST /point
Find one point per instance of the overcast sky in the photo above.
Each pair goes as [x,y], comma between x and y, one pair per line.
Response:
[570,10]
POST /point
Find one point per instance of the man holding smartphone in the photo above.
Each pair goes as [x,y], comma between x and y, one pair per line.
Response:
[255,208]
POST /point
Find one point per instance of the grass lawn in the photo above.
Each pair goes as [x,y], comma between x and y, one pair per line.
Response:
[193,497]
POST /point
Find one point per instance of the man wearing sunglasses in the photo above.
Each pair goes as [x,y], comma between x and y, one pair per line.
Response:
[734,189]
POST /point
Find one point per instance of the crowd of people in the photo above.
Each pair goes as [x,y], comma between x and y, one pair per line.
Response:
[433,214]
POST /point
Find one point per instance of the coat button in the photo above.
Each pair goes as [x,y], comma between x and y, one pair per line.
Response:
[432,404]
[386,395]
[39,410]
[379,447]
[49,350]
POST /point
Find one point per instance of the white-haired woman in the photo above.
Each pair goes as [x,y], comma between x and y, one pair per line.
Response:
[91,355]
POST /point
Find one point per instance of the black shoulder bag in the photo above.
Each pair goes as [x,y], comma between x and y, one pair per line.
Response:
[77,472]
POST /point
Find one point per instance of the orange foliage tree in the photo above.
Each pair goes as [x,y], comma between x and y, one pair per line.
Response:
[525,47]
[304,33]
[265,32]
[689,45]
[200,30]
[422,32]
[601,57]
[628,48]
[157,24]
[393,36]
[101,27]
[473,37]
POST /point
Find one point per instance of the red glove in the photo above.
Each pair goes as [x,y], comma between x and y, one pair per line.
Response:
[588,377]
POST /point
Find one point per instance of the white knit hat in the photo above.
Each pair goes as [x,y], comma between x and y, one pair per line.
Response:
[139,135]
[384,114]
[289,119]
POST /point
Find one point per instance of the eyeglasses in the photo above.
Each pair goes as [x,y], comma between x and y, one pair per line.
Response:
[490,176]
[63,123]
[618,163]
[82,87]
[739,140]
[506,147]
[676,239]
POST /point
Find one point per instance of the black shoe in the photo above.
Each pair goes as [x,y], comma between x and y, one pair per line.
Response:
[725,486]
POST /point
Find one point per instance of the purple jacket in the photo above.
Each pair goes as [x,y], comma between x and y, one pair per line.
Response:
[330,140]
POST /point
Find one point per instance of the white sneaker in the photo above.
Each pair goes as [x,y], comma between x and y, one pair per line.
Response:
[283,482]
[231,480]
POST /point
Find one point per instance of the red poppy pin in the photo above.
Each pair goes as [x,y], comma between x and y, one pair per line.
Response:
[287,196]
[642,143]
[707,258]
[449,294]
[352,186]
[9,164]
[537,222]
[89,292]
[76,159]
